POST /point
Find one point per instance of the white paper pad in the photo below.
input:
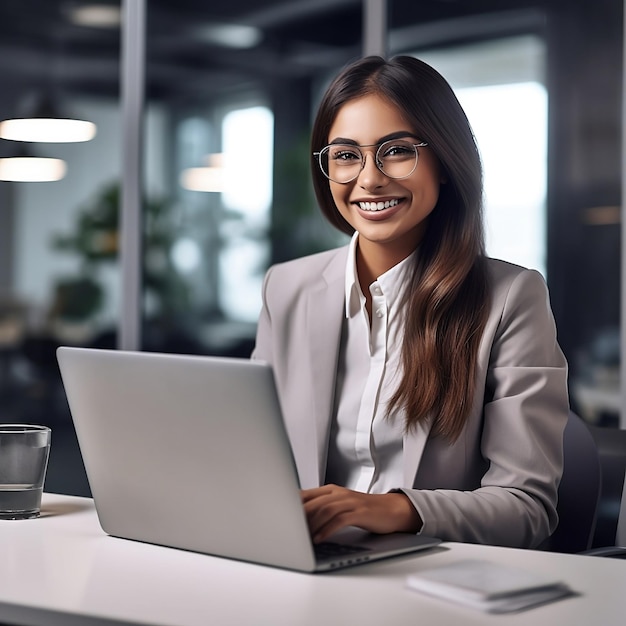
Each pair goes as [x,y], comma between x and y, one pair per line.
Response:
[490,587]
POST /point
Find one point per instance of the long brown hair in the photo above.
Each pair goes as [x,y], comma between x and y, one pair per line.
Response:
[448,297]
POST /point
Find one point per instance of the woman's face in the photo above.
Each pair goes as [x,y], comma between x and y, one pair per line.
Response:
[399,226]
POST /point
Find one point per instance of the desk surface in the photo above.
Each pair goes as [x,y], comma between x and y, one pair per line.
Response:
[62,569]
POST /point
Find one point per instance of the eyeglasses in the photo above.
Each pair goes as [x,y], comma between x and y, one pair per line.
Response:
[342,163]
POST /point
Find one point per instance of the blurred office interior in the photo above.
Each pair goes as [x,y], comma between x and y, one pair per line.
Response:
[230,90]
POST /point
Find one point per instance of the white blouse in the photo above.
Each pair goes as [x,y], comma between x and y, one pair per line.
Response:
[365,451]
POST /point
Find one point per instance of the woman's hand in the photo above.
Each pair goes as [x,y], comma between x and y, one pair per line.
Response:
[331,507]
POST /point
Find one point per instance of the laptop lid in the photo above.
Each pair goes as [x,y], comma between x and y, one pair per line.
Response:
[191,452]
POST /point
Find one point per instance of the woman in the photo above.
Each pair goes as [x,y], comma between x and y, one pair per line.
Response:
[421,382]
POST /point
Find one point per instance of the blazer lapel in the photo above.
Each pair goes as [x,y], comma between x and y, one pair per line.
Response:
[325,308]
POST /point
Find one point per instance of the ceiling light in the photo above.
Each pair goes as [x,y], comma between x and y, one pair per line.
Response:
[602,215]
[209,178]
[96,15]
[231,35]
[47,130]
[28,169]
[43,121]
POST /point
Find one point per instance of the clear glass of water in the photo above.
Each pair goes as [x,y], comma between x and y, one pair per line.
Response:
[24,451]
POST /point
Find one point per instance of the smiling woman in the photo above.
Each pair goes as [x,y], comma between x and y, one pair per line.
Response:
[421,381]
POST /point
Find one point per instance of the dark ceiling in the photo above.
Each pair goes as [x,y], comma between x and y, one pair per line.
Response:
[39,44]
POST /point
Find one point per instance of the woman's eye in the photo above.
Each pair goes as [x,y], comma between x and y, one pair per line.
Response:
[397,151]
[345,155]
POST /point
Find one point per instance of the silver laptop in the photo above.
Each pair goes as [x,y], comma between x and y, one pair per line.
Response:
[191,452]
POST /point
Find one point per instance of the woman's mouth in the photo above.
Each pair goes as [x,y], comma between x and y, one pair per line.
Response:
[378,206]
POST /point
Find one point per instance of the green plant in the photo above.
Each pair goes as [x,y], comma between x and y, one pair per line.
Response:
[95,239]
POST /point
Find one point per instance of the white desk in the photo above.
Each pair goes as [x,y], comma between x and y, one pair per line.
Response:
[61,569]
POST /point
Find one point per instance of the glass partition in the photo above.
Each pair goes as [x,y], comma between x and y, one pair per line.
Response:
[230,168]
[231,89]
[58,206]
[501,86]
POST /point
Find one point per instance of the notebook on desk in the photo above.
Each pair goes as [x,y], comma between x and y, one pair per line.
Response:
[191,452]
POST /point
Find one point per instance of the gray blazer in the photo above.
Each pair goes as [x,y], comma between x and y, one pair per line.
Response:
[497,483]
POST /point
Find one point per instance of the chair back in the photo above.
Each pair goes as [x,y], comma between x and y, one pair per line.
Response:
[620,538]
[613,503]
[579,490]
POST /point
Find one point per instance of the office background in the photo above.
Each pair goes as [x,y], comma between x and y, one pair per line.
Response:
[230,90]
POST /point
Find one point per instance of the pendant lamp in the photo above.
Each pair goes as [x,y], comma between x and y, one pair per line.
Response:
[44,122]
[24,167]
[208,178]
[32,169]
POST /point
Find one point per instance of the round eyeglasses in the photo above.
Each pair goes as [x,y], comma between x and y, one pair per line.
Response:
[343,162]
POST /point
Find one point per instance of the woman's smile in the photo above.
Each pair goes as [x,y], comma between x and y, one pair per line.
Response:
[378,210]
[377,205]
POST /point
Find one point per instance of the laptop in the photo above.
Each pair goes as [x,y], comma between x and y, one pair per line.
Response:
[191,452]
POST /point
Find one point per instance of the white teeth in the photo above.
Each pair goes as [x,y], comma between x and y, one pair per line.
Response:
[377,206]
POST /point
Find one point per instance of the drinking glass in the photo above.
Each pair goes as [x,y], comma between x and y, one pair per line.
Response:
[24,451]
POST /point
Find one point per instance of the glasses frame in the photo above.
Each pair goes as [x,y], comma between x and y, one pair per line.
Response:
[377,161]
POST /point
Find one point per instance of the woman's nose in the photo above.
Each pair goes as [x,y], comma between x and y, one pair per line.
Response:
[371,176]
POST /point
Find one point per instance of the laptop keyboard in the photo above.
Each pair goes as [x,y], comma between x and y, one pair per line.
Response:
[329,549]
